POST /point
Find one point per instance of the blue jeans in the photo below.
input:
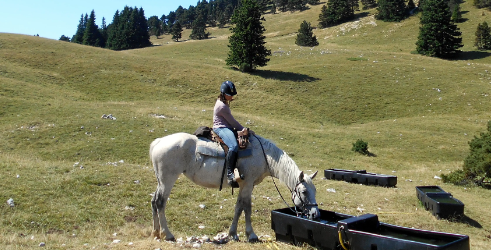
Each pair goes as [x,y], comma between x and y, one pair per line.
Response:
[228,138]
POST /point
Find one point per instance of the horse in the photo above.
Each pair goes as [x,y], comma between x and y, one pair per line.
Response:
[177,154]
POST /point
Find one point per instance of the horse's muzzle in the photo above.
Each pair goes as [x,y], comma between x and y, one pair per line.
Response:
[313,213]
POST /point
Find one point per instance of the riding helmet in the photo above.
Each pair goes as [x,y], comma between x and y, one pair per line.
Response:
[228,88]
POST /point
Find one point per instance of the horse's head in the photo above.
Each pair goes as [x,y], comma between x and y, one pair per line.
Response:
[303,196]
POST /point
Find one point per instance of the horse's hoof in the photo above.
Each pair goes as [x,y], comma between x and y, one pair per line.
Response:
[170,238]
[156,234]
[234,237]
[253,238]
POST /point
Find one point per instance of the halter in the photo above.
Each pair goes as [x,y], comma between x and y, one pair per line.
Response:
[304,204]
[294,191]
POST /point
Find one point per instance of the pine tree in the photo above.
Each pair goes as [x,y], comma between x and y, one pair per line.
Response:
[368,4]
[456,15]
[391,10]
[155,26]
[92,36]
[336,11]
[438,35]
[176,31]
[410,6]
[305,36]
[282,5]
[199,29]
[103,31]
[313,2]
[483,36]
[128,30]
[79,35]
[64,38]
[247,50]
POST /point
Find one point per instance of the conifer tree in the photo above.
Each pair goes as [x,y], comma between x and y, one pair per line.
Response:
[391,10]
[92,36]
[483,36]
[64,38]
[410,6]
[247,50]
[313,2]
[79,35]
[128,30]
[456,15]
[176,31]
[199,29]
[368,4]
[305,36]
[103,31]
[438,35]
[336,11]
[155,26]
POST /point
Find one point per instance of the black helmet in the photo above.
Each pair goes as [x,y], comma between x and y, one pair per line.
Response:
[228,88]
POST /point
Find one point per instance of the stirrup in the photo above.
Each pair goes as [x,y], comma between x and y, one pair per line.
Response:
[233,183]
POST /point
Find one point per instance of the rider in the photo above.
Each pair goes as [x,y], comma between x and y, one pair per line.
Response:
[224,125]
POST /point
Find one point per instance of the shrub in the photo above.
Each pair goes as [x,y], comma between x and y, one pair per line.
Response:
[477,165]
[361,147]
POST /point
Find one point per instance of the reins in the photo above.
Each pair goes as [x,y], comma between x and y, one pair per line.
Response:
[269,169]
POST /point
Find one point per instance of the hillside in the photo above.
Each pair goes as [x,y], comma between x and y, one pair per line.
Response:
[77,178]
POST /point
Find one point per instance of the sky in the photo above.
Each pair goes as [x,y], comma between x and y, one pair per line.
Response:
[53,18]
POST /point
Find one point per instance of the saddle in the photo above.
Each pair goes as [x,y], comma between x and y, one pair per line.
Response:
[208,133]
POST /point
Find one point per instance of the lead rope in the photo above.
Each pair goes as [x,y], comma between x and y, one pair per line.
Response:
[267,164]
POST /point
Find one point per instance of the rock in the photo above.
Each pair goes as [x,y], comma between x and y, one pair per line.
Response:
[196,245]
[42,244]
[221,238]
[11,202]
[202,206]
[110,116]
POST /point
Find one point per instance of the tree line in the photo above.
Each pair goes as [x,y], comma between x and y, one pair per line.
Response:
[130,29]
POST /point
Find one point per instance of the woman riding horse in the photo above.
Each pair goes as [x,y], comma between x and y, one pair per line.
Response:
[224,125]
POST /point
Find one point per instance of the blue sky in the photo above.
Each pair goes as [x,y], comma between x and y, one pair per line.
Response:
[53,18]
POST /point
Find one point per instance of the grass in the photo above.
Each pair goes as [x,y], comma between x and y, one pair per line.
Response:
[78,179]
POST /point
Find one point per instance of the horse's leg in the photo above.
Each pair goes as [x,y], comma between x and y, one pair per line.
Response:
[155,215]
[243,204]
[161,196]
[232,232]
[246,196]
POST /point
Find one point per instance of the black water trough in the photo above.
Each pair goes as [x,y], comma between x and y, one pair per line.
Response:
[364,232]
[440,203]
[361,177]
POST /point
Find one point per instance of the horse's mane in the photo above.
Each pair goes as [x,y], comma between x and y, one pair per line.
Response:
[280,163]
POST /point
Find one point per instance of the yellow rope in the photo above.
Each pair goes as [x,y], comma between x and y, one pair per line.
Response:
[341,238]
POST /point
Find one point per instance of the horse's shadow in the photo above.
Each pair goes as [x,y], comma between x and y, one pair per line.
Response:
[284,76]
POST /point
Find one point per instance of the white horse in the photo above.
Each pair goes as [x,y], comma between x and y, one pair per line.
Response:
[175,154]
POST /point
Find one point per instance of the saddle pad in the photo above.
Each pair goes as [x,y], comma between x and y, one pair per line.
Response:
[207,147]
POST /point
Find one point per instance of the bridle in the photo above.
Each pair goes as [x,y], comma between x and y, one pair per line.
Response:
[294,192]
[305,205]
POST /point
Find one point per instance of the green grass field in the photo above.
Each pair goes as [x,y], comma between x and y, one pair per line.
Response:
[79,181]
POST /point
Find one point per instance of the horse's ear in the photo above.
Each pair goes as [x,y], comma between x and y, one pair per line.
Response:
[300,177]
[313,175]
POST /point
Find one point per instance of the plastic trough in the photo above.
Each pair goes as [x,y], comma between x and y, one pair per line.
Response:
[364,232]
[440,203]
[361,177]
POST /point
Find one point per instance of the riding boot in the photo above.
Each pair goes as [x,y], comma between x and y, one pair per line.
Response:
[231,161]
